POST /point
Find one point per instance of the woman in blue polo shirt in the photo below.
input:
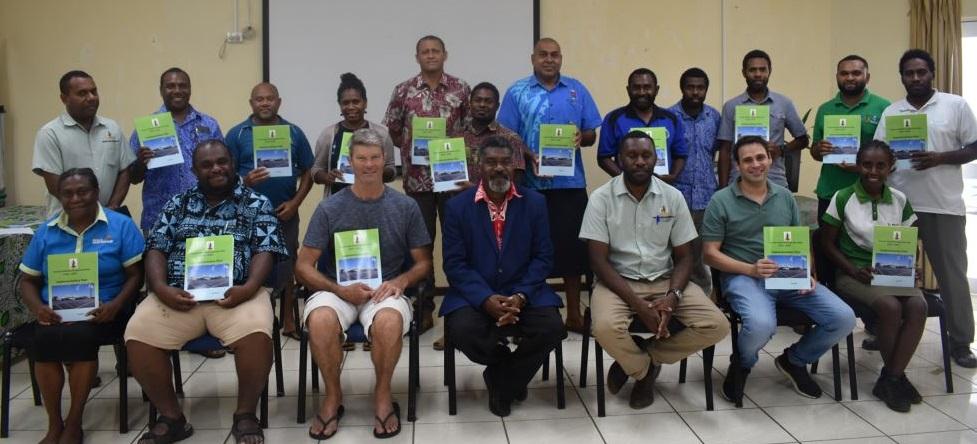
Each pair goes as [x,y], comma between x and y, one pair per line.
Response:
[82,227]
[847,239]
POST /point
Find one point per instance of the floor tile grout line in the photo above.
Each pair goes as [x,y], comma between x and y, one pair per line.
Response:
[586,408]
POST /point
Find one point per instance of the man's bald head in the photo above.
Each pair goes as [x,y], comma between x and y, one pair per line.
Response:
[264,103]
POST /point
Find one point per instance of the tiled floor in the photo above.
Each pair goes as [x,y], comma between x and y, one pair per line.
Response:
[773,413]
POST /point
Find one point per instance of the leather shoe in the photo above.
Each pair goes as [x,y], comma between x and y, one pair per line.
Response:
[964,357]
[616,378]
[643,393]
[497,404]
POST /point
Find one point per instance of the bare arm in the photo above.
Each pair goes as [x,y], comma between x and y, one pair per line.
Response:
[609,165]
[725,158]
[120,190]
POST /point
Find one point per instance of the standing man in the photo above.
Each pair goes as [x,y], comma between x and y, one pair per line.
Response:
[192,127]
[783,117]
[636,275]
[549,97]
[281,191]
[934,186]
[732,235]
[432,93]
[641,112]
[697,181]
[481,125]
[80,138]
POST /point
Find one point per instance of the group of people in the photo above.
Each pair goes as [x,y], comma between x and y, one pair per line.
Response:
[651,240]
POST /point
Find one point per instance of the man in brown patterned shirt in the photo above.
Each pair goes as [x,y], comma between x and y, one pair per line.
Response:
[481,124]
[431,93]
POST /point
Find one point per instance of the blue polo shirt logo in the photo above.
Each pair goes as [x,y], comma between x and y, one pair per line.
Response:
[104,240]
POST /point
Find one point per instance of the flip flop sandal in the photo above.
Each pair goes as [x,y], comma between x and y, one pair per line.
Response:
[367,346]
[176,430]
[294,334]
[349,346]
[240,432]
[325,423]
[385,434]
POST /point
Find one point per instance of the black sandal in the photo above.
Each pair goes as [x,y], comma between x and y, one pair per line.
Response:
[325,423]
[385,434]
[239,432]
[176,430]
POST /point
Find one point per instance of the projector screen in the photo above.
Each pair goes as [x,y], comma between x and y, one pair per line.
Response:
[311,42]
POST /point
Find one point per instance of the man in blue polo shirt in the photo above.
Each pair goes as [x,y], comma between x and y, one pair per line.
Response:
[641,112]
[552,98]
[279,190]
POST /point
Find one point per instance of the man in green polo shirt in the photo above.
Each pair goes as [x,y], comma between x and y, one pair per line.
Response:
[634,225]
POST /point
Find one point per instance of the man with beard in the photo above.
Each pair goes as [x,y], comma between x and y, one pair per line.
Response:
[481,125]
[636,275]
[549,97]
[783,117]
[497,255]
[641,112]
[281,191]
[853,98]
[219,205]
[79,138]
[934,186]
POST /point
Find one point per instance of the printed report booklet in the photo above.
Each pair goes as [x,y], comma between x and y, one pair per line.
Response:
[358,257]
[449,163]
[894,256]
[209,267]
[344,164]
[752,120]
[790,248]
[660,136]
[158,133]
[845,134]
[273,149]
[72,285]
[557,150]
[424,129]
[906,134]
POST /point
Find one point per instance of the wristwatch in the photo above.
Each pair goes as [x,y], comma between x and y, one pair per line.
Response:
[523,297]
[677,292]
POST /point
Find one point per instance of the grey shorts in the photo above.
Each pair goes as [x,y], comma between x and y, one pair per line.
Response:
[851,288]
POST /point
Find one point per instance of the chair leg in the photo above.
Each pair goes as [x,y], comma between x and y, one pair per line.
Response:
[852,377]
[945,343]
[561,400]
[263,408]
[5,391]
[449,374]
[413,371]
[177,373]
[276,339]
[682,367]
[836,369]
[585,347]
[303,363]
[814,367]
[599,368]
[35,389]
[315,374]
[734,332]
[152,414]
[546,369]
[122,370]
[707,357]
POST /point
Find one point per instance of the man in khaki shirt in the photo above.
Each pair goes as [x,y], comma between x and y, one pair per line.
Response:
[633,225]
[79,138]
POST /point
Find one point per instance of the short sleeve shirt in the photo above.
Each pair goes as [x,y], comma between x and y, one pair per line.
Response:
[737,222]
[163,183]
[240,140]
[528,104]
[474,140]
[415,98]
[639,233]
[832,177]
[621,121]
[395,216]
[246,215]
[950,127]
[854,211]
[115,238]
[697,181]
[63,144]
[783,117]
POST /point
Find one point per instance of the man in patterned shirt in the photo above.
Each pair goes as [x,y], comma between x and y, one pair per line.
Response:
[170,316]
[431,93]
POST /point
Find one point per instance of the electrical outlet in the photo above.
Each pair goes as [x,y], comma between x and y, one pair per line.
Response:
[235,37]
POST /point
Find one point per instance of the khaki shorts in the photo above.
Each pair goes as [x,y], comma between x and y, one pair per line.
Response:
[163,327]
[348,313]
[851,288]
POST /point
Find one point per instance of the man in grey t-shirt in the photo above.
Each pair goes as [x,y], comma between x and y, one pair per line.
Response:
[342,298]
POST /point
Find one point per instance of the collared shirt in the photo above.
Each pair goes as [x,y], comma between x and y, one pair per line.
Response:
[240,141]
[783,116]
[497,212]
[870,107]
[856,218]
[639,233]
[697,181]
[246,215]
[113,236]
[63,144]
[474,140]
[163,183]
[528,104]
[618,123]
[737,221]
[950,127]
[414,97]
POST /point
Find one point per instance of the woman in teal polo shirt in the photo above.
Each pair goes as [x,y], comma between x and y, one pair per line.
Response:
[848,237]
[82,227]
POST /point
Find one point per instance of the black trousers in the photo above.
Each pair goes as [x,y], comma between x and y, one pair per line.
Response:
[474,333]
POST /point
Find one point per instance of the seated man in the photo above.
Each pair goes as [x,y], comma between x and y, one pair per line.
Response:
[634,225]
[170,316]
[497,254]
[732,234]
[383,310]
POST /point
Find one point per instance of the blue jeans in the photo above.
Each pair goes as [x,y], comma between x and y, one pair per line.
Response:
[756,306]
